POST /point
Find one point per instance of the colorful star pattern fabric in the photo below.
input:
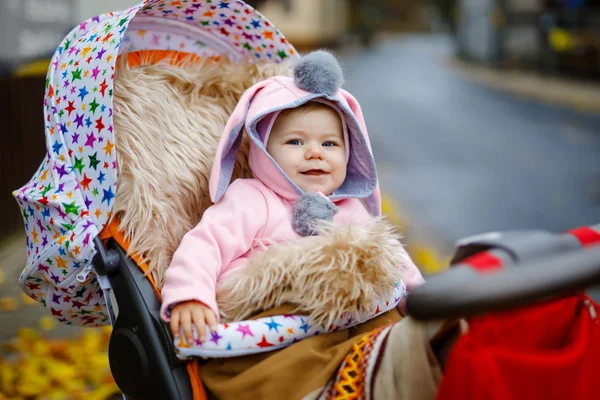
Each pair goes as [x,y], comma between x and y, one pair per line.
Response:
[272,333]
[69,199]
[227,27]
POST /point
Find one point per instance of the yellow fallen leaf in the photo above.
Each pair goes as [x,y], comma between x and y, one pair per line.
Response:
[7,379]
[47,323]
[103,392]
[427,258]
[40,349]
[8,304]
[1,281]
[28,301]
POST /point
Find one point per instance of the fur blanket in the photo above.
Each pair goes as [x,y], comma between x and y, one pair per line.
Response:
[344,269]
[168,121]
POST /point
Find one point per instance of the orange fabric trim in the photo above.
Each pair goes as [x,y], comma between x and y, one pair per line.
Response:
[150,57]
[198,389]
[112,231]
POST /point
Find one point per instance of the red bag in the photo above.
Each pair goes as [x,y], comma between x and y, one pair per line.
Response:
[546,351]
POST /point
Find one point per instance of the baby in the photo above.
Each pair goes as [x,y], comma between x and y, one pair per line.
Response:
[307,136]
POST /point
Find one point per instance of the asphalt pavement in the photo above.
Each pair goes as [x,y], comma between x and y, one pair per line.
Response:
[463,158]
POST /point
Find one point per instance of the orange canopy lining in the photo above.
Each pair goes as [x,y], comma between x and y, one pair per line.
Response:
[112,230]
[150,57]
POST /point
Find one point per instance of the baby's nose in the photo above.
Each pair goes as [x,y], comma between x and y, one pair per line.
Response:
[313,151]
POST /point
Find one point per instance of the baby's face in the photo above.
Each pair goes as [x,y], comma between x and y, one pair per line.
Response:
[309,146]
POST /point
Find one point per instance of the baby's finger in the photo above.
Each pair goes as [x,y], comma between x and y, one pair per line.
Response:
[175,323]
[200,326]
[186,324]
[211,320]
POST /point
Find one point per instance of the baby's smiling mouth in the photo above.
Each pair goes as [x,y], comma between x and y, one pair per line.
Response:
[314,172]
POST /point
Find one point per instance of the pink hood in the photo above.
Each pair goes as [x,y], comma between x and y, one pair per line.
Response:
[265,100]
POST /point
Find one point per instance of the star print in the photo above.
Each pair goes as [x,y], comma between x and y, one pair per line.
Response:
[93,106]
[273,325]
[56,147]
[215,337]
[60,262]
[78,164]
[62,171]
[100,54]
[101,177]
[103,87]
[47,189]
[305,326]
[70,108]
[269,35]
[99,124]
[263,343]
[85,183]
[75,75]
[83,92]
[108,195]
[90,140]
[245,330]
[94,161]
[78,120]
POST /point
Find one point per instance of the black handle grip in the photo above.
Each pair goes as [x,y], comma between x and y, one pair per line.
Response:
[463,291]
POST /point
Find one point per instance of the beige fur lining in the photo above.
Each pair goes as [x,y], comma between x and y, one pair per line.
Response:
[168,121]
[344,269]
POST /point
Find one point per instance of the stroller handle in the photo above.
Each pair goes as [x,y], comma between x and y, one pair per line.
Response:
[463,291]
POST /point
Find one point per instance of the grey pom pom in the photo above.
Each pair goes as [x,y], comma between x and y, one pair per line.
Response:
[319,72]
[309,208]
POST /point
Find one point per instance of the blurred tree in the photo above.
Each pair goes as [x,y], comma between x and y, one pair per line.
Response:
[365,19]
[447,12]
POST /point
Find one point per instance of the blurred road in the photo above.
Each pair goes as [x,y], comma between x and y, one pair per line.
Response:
[464,159]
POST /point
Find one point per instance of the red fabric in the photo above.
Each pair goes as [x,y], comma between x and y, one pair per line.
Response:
[586,236]
[546,351]
[484,262]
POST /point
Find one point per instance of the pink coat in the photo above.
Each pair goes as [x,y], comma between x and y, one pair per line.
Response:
[250,213]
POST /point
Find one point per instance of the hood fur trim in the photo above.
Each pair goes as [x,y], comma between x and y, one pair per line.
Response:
[344,269]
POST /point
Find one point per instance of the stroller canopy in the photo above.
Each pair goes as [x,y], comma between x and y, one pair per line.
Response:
[70,198]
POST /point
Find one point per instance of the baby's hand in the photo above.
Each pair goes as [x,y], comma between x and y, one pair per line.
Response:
[192,312]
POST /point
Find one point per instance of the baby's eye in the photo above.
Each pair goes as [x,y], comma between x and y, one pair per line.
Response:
[329,144]
[294,142]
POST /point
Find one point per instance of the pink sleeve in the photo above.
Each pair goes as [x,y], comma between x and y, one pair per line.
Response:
[226,232]
[410,275]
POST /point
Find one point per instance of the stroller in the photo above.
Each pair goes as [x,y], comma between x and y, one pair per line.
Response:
[81,264]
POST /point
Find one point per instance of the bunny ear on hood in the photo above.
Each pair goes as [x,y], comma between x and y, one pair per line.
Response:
[317,77]
[230,144]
